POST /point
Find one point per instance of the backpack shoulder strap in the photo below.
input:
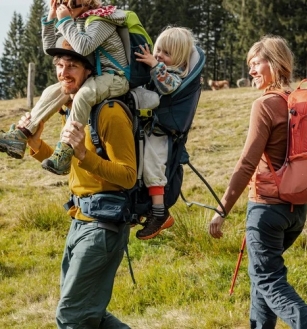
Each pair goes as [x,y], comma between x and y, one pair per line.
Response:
[283,94]
[93,124]
[120,21]
[91,19]
[300,84]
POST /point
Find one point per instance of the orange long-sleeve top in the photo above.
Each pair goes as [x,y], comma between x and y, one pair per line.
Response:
[267,133]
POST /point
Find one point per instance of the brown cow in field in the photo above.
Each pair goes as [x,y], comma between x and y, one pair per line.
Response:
[216,85]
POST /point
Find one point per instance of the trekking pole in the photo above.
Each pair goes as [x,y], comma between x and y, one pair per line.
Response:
[237,266]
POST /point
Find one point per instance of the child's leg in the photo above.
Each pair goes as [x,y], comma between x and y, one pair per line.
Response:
[87,96]
[157,197]
[93,91]
[14,142]
[119,86]
[155,158]
[51,100]
[84,99]
[60,161]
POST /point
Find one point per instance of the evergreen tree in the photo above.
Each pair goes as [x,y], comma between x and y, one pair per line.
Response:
[294,24]
[163,14]
[33,48]
[143,8]
[121,4]
[12,80]
[253,19]
[234,59]
[214,40]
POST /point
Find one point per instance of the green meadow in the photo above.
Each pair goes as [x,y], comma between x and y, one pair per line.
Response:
[183,276]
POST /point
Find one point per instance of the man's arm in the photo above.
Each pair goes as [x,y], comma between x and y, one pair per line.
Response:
[115,132]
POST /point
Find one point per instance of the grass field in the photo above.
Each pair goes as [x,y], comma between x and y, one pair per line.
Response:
[183,276]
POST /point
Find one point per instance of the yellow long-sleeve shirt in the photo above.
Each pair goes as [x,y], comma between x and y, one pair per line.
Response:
[94,174]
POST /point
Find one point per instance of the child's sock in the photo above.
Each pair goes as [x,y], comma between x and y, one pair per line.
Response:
[26,131]
[158,210]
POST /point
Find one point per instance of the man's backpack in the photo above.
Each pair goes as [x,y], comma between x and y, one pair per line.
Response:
[140,200]
[133,34]
[174,114]
[291,178]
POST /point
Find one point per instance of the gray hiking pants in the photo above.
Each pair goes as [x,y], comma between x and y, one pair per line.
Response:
[91,258]
[270,230]
[155,159]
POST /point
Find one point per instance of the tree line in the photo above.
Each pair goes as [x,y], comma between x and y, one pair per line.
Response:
[225,29]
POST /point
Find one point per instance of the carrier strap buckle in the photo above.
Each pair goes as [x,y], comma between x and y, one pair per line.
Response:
[147,113]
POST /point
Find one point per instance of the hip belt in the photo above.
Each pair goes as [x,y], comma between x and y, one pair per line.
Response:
[105,207]
[94,223]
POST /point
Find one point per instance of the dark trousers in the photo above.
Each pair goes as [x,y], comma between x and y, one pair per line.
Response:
[270,230]
[91,258]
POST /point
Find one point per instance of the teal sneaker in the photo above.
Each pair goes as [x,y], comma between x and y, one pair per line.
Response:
[60,161]
[14,143]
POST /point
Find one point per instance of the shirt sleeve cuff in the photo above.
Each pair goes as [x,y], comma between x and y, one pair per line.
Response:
[61,21]
[43,153]
[45,22]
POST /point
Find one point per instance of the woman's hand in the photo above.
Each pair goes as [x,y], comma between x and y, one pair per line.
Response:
[215,226]
[74,135]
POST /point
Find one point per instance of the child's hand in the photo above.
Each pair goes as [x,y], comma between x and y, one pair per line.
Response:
[62,11]
[146,57]
[52,10]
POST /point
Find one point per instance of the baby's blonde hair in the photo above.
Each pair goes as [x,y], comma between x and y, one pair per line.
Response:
[178,42]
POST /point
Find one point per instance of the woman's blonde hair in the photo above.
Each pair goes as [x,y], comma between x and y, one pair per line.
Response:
[276,51]
[178,42]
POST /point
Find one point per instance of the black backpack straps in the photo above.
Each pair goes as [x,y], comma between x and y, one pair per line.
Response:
[178,147]
[170,159]
[93,124]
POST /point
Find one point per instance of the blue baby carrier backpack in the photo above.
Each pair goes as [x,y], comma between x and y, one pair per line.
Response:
[173,114]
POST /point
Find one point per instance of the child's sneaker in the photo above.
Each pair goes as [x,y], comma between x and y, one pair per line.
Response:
[60,161]
[14,143]
[154,225]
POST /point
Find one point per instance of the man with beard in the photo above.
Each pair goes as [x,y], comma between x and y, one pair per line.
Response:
[94,247]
